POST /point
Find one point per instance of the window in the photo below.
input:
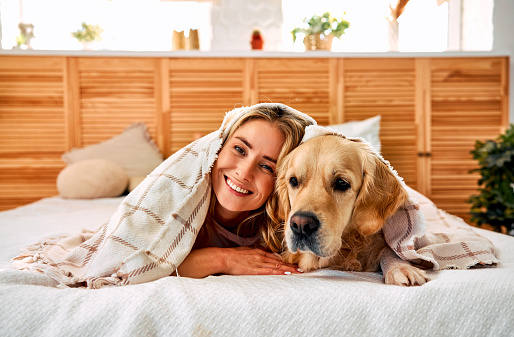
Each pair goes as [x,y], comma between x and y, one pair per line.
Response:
[424,26]
[147,25]
[128,24]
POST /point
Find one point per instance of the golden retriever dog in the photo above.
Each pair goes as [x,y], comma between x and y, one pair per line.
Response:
[335,195]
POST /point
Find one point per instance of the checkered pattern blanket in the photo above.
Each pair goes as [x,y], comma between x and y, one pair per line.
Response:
[447,243]
[149,234]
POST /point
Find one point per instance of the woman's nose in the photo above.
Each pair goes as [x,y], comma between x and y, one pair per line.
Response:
[245,169]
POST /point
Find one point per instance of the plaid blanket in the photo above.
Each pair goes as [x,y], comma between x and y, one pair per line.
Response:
[447,243]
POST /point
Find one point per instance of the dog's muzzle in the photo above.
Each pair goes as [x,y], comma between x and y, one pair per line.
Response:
[304,233]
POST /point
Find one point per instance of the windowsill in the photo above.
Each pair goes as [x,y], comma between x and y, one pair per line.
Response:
[249,53]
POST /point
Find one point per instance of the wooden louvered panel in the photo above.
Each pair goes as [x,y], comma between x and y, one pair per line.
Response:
[115,93]
[467,100]
[32,104]
[25,179]
[386,87]
[32,127]
[303,84]
[201,92]
[50,104]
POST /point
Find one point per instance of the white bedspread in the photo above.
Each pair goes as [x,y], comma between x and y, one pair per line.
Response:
[475,302]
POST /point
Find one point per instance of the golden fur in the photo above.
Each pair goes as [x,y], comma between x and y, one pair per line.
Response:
[334,196]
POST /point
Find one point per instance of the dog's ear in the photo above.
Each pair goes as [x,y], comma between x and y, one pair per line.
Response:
[283,204]
[380,196]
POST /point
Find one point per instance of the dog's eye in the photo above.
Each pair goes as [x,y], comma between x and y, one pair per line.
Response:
[293,182]
[341,185]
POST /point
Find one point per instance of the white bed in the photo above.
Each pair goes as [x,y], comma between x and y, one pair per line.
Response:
[475,302]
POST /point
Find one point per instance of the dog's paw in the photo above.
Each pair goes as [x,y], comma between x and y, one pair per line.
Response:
[406,276]
[309,261]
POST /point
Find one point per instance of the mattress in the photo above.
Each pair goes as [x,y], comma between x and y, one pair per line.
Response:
[473,302]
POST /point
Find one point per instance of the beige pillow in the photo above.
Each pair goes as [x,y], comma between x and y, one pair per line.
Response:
[134,150]
[92,178]
[134,182]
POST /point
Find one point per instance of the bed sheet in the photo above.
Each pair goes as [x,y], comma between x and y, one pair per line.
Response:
[475,302]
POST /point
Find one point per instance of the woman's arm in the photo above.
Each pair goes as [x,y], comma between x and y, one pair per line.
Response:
[234,261]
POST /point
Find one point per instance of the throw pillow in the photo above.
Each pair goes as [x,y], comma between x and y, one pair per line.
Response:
[133,149]
[92,178]
[368,129]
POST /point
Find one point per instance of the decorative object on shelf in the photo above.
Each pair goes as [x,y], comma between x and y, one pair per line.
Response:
[494,205]
[257,42]
[88,34]
[393,27]
[26,34]
[178,40]
[182,42]
[194,41]
[320,30]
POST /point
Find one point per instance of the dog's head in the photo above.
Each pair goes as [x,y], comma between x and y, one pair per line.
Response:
[331,185]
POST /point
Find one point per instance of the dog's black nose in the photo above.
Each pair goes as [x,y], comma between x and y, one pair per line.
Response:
[304,223]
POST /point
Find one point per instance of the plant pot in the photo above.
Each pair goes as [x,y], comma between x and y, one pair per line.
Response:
[87,45]
[318,42]
[257,44]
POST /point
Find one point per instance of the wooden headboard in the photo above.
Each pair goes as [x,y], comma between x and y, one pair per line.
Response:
[433,109]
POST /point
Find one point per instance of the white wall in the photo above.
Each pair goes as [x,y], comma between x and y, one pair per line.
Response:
[234,20]
[504,40]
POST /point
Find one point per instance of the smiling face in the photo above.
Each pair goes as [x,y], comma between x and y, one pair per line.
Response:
[243,177]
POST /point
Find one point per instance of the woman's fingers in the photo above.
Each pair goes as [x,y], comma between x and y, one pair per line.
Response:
[278,269]
[277,264]
[254,261]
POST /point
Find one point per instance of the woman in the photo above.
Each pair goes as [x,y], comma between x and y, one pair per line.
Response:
[224,180]
[243,179]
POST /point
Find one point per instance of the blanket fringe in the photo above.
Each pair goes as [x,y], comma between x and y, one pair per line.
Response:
[35,258]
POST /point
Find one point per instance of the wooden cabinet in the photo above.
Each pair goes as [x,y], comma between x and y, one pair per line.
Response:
[468,101]
[433,109]
[109,94]
[33,127]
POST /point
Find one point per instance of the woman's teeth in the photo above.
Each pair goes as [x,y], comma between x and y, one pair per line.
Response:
[236,188]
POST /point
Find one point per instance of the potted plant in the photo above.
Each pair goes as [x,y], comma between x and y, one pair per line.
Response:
[320,30]
[87,34]
[26,34]
[257,42]
[494,205]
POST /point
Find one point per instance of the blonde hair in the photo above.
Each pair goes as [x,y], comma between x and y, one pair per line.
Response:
[293,127]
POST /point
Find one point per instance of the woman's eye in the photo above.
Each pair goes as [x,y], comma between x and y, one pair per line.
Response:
[293,182]
[268,168]
[239,149]
[341,185]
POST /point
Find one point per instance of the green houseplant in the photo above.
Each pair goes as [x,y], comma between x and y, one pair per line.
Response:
[88,33]
[319,31]
[495,203]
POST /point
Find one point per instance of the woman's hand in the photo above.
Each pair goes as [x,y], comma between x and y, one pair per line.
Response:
[234,261]
[254,261]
